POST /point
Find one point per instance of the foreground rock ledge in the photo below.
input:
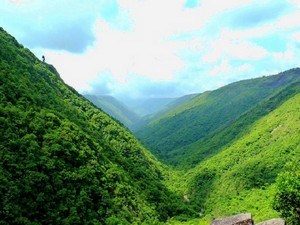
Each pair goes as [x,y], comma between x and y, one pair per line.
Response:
[277,221]
[240,219]
[245,219]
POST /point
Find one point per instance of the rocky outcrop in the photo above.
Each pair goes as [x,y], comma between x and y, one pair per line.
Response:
[245,219]
[240,219]
[277,221]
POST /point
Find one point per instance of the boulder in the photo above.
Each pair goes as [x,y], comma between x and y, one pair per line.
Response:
[277,221]
[240,219]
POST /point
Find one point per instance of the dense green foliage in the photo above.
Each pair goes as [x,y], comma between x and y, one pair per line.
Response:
[241,177]
[170,135]
[287,198]
[190,155]
[64,161]
[115,109]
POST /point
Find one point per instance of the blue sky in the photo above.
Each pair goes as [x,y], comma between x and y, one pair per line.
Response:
[155,48]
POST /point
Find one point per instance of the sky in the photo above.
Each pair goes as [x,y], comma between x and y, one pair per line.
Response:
[157,48]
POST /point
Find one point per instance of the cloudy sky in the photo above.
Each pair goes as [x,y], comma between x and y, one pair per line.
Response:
[157,48]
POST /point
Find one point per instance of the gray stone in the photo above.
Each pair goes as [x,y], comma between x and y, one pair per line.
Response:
[277,221]
[240,219]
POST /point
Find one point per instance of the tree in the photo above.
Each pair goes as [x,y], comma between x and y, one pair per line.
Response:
[287,198]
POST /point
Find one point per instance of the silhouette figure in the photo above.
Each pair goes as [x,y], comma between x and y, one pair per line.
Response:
[43,57]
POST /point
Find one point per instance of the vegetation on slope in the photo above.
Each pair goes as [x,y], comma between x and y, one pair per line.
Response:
[208,113]
[241,177]
[287,198]
[191,155]
[115,109]
[62,160]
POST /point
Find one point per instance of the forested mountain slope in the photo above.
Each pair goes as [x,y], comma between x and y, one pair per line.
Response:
[115,109]
[62,160]
[190,155]
[241,177]
[208,113]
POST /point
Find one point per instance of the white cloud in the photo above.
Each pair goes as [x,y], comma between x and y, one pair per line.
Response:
[289,21]
[223,68]
[287,59]
[76,70]
[245,68]
[152,41]
[126,53]
[246,51]
[296,36]
[229,47]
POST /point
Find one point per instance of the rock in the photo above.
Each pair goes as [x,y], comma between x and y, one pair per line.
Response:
[240,219]
[277,221]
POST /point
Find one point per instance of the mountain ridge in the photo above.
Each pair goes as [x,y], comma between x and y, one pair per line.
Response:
[115,109]
[196,152]
[208,112]
[64,161]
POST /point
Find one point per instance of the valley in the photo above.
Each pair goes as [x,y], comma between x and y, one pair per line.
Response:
[72,159]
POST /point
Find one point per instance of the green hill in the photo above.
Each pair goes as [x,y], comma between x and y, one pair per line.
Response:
[170,135]
[241,176]
[190,155]
[64,161]
[115,109]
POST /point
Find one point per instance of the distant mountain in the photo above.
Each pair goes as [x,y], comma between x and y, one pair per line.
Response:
[146,106]
[136,113]
[170,135]
[64,161]
[115,108]
[175,103]
[163,109]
